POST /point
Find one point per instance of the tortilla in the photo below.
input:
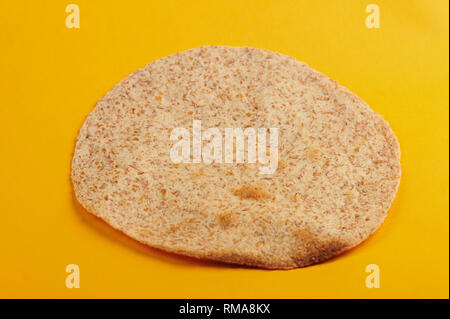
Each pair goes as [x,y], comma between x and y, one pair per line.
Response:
[338,161]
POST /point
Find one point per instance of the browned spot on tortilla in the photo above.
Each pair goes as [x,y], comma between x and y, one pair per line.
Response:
[294,197]
[173,228]
[282,164]
[309,249]
[252,192]
[226,219]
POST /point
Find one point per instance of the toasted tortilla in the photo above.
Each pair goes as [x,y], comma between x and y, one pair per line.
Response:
[338,161]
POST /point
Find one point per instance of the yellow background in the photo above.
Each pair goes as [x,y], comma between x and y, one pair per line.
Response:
[51,77]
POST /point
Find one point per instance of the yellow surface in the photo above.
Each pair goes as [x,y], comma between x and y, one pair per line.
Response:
[51,77]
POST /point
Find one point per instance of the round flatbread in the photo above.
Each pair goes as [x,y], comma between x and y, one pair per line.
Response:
[338,161]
